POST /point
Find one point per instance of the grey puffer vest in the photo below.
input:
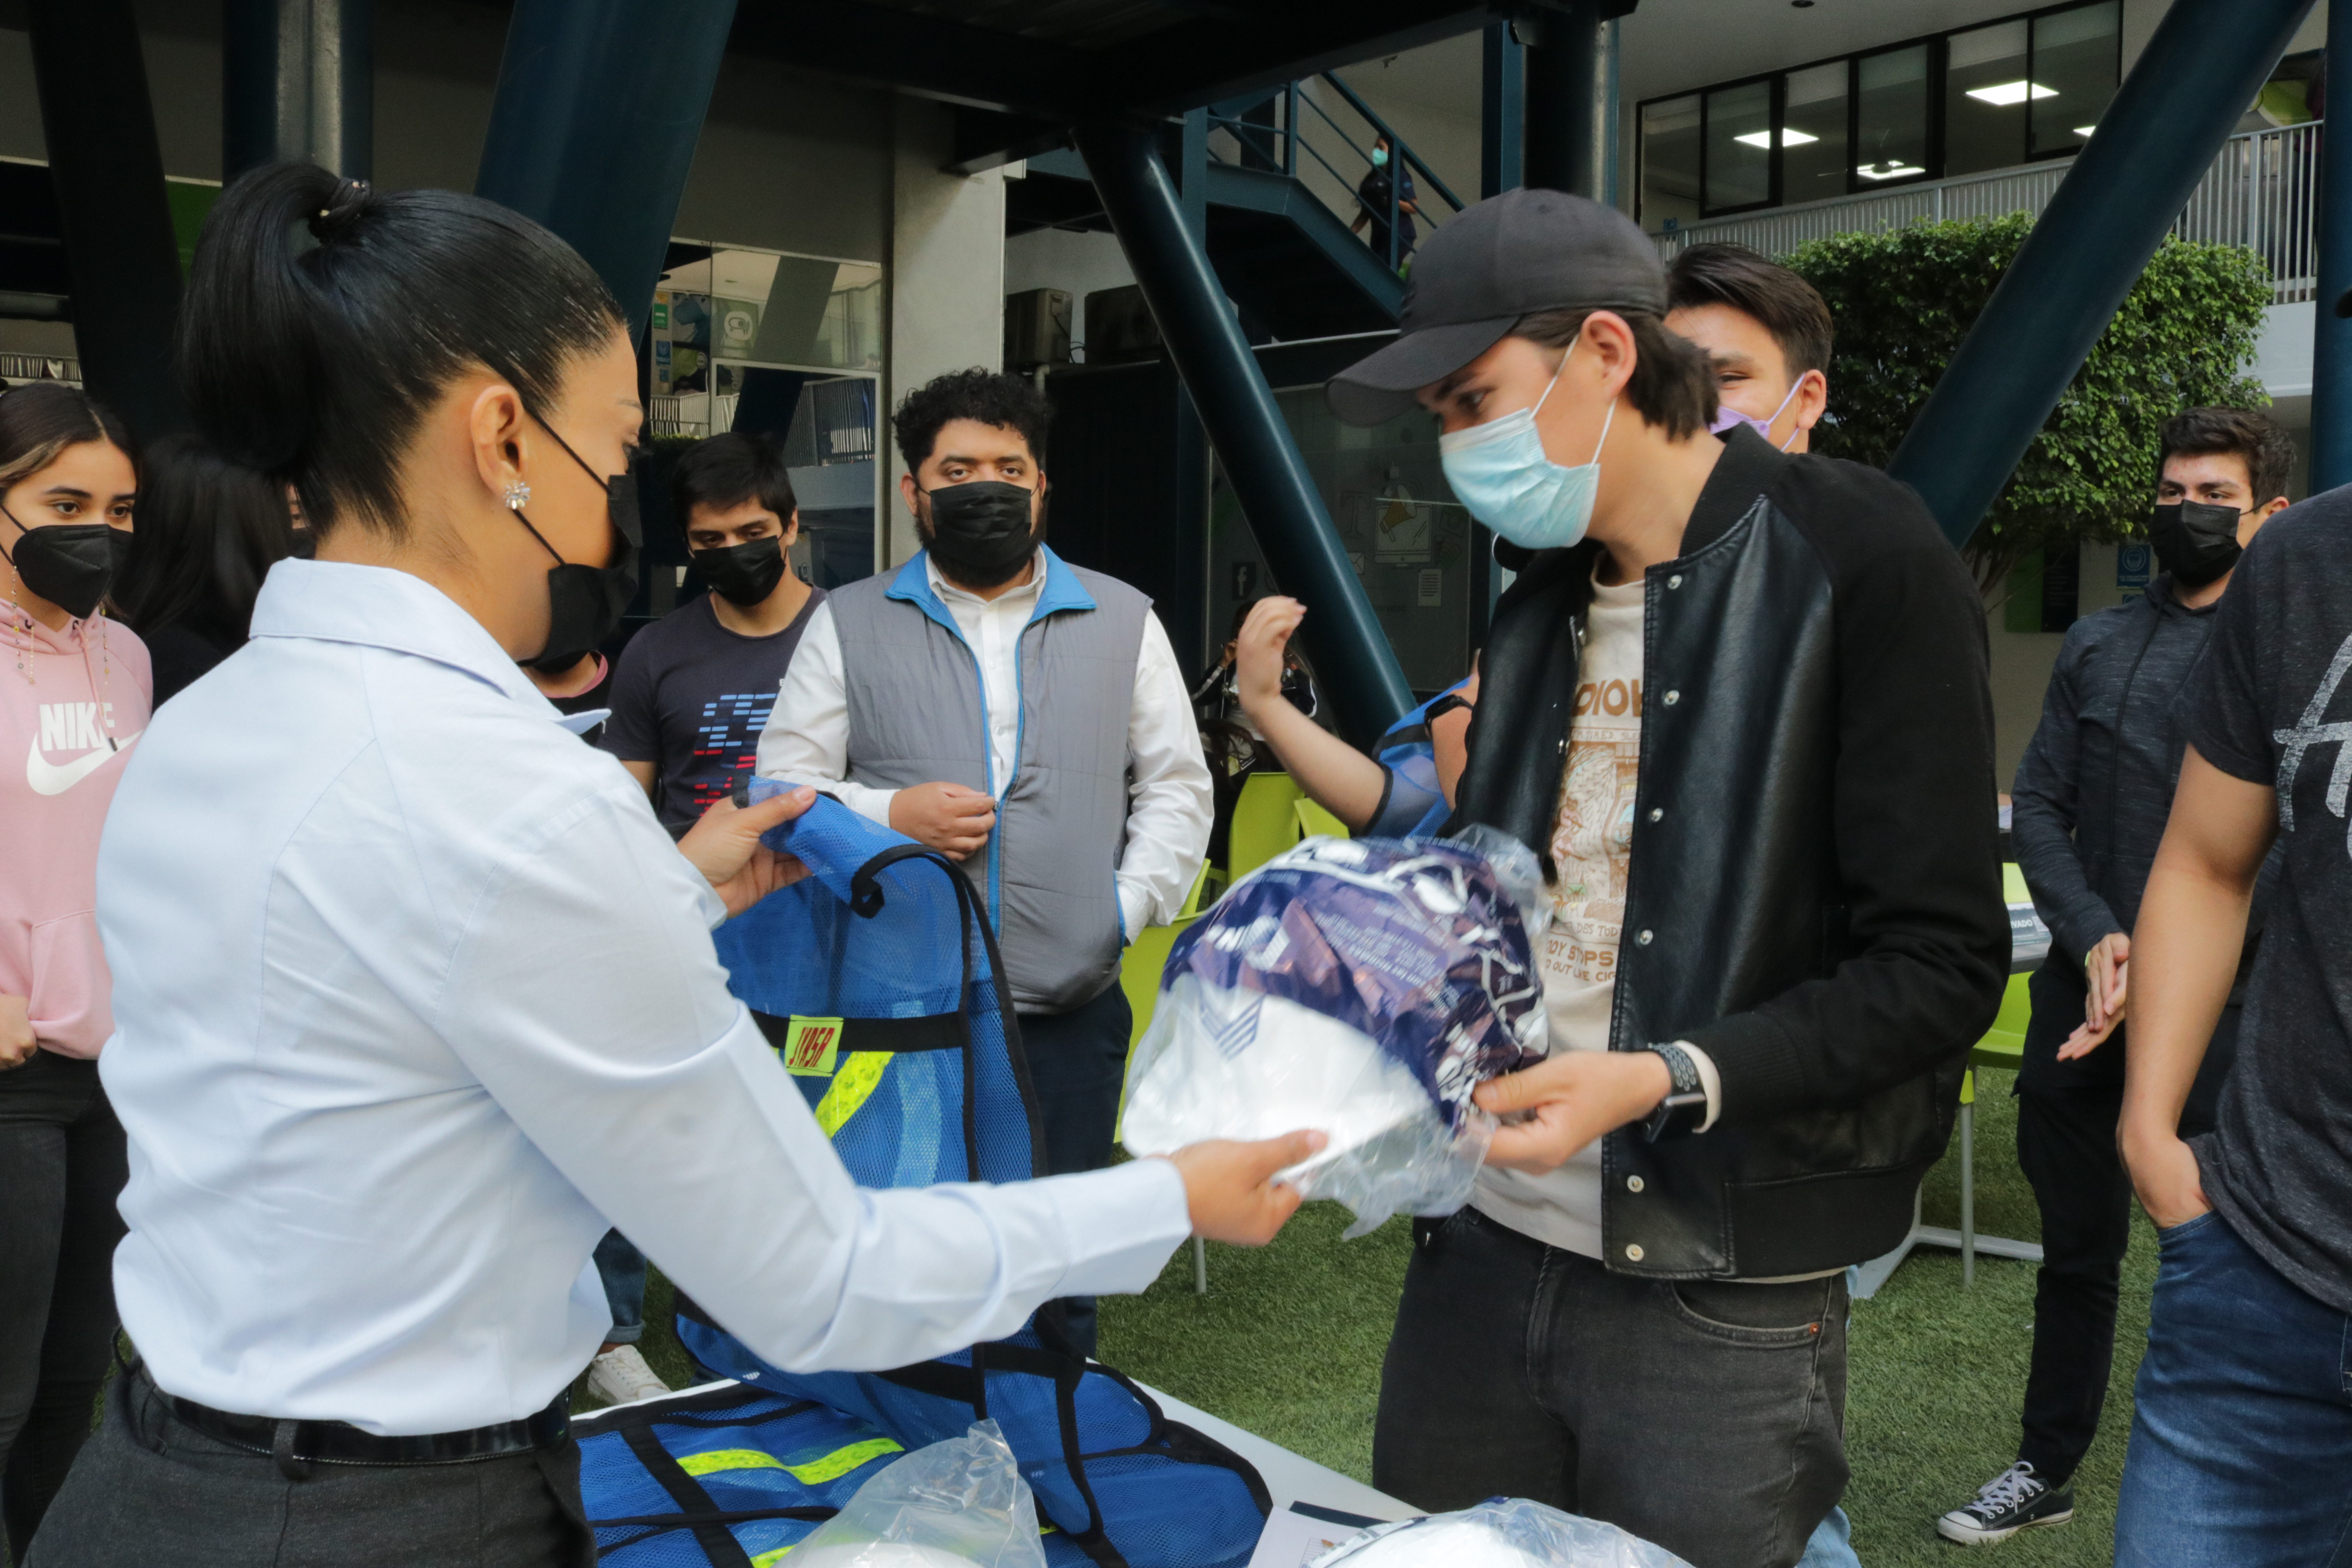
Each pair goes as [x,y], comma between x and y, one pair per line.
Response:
[917,712]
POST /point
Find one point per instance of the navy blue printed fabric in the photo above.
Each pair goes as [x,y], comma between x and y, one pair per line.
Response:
[1411,941]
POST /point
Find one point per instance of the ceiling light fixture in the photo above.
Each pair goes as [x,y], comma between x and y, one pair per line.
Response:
[2085,132]
[1789,137]
[2001,94]
[1892,169]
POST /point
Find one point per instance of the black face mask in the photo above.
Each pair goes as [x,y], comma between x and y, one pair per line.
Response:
[585,602]
[743,575]
[2194,541]
[71,564]
[980,531]
[305,546]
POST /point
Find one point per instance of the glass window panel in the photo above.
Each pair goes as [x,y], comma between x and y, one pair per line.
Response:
[1813,133]
[1738,146]
[1986,91]
[1670,162]
[1891,117]
[2074,57]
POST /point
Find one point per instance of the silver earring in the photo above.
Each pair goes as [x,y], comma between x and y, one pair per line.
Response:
[518,495]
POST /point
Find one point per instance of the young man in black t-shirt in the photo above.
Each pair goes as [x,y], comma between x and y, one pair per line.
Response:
[688,701]
[2241,1437]
[694,689]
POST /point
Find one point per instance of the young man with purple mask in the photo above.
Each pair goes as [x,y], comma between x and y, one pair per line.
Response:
[1769,334]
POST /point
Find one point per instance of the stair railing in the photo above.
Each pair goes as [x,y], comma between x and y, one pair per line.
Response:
[1266,143]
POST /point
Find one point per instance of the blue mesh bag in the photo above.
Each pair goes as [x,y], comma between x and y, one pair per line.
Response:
[722,1477]
[875,979]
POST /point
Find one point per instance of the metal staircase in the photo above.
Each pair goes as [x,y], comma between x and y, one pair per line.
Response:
[1278,172]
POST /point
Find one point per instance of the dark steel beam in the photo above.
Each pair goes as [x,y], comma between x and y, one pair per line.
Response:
[1352,655]
[2331,335]
[297,82]
[122,256]
[1214,55]
[599,105]
[1571,98]
[2204,64]
[1502,112]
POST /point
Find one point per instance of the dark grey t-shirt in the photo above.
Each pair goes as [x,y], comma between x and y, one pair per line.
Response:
[2271,703]
[691,698]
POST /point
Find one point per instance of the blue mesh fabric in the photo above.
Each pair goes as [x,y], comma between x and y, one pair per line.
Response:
[740,1455]
[807,951]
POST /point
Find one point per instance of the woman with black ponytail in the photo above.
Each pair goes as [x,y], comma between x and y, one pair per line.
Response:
[414,998]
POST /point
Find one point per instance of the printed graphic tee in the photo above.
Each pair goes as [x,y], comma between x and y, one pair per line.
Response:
[691,698]
[1592,836]
[2270,703]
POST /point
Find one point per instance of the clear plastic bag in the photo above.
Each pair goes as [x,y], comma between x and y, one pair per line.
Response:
[1503,1533]
[1362,988]
[957,1504]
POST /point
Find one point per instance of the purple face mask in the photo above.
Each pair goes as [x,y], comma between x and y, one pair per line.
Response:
[1725,416]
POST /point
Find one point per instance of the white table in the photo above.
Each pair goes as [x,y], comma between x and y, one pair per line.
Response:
[1289,1478]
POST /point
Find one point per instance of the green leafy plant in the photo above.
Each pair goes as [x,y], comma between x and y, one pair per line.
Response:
[1903,298]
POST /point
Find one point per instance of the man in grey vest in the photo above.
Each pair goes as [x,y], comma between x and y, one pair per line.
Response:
[1023,716]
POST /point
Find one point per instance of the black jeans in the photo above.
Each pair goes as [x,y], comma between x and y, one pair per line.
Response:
[1705,1416]
[2066,1116]
[1078,1060]
[151,1490]
[61,1168]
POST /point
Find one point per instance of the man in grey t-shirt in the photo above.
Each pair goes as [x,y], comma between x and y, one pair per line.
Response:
[2242,1437]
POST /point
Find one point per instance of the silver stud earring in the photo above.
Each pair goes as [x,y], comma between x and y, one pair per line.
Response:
[518,495]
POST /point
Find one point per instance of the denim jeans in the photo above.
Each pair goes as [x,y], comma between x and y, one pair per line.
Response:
[1705,1415]
[2242,1440]
[622,1268]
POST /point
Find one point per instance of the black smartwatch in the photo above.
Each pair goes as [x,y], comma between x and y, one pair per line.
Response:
[1684,1111]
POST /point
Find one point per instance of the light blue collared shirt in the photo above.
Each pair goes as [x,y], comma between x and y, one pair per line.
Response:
[413,996]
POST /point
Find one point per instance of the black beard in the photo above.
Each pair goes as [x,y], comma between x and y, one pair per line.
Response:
[963,576]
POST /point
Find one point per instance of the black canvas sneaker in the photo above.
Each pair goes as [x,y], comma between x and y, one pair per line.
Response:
[2012,1500]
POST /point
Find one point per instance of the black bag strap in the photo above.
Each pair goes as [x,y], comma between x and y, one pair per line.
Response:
[718,1543]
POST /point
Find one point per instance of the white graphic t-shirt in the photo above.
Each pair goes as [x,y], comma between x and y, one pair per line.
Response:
[1591,837]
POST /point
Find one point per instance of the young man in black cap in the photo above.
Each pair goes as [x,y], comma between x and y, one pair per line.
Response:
[1736,701]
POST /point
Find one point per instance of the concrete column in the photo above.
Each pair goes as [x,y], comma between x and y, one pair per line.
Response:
[946,277]
[298,80]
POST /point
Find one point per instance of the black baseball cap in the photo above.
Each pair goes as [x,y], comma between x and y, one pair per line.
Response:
[1523,252]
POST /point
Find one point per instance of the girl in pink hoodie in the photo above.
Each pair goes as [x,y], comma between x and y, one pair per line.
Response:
[74,695]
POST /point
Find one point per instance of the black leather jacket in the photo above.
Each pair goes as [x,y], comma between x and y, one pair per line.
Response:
[1814,884]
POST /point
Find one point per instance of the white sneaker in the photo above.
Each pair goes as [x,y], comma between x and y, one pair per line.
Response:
[621,1375]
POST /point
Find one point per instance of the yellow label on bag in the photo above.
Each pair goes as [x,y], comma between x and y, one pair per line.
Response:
[812,1046]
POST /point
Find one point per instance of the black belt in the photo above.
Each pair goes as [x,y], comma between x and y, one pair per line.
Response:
[295,1443]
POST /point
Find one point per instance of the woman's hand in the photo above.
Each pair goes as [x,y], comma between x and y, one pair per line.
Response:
[1259,652]
[1575,1096]
[16,1042]
[725,847]
[1230,1187]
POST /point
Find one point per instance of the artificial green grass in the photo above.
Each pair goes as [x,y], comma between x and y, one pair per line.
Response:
[1287,1344]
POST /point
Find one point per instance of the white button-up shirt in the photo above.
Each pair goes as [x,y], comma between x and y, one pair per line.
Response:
[413,996]
[1169,806]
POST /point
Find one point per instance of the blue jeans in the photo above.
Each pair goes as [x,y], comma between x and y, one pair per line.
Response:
[1831,1545]
[2241,1442]
[622,1268]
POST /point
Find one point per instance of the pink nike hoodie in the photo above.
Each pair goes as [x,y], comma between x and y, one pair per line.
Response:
[71,705]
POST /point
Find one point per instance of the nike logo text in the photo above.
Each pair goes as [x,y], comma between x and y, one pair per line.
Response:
[64,726]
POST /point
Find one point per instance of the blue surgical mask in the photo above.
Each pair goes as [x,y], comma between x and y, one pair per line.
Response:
[1500,472]
[1726,417]
[1380,157]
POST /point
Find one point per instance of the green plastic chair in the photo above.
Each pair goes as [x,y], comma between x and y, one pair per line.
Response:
[1314,820]
[1265,822]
